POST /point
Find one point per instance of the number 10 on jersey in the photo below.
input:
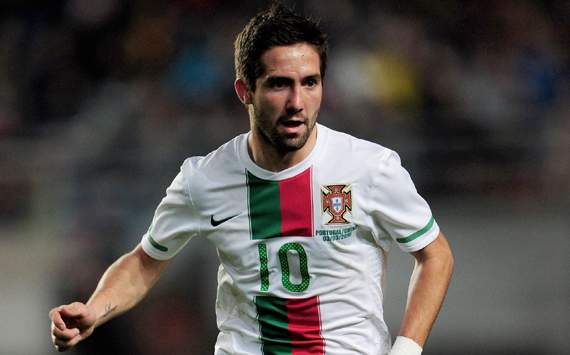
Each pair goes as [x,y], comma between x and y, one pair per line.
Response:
[286,251]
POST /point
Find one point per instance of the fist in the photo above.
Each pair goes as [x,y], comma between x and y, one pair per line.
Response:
[70,324]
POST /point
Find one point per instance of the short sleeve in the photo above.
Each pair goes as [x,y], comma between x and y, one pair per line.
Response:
[397,210]
[174,223]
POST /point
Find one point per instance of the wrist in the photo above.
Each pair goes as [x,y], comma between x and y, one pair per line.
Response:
[405,346]
[101,309]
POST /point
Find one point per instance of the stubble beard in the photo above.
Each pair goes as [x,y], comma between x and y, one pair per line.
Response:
[282,143]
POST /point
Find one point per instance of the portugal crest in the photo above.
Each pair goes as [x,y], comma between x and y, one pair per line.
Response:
[336,203]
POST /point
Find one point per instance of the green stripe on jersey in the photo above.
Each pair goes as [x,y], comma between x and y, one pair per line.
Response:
[273,324]
[417,234]
[155,244]
[290,326]
[264,207]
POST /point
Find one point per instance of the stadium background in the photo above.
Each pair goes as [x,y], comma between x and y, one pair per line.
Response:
[100,101]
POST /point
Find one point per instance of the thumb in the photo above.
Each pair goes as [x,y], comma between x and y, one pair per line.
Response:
[73,310]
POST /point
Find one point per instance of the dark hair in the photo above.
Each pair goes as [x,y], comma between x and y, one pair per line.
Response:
[275,26]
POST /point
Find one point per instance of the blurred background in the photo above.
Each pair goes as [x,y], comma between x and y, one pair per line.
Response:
[100,102]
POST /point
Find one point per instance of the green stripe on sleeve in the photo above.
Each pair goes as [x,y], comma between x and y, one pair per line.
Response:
[155,244]
[418,233]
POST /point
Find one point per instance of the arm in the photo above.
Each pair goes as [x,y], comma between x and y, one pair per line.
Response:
[122,286]
[428,286]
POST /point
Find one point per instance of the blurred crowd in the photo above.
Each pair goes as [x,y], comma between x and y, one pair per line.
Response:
[111,95]
[475,92]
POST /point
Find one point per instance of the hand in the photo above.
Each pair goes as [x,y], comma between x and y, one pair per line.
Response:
[70,324]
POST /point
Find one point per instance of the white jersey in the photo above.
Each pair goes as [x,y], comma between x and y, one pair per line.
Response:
[301,251]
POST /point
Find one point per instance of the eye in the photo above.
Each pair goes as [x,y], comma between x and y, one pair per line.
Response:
[311,82]
[277,83]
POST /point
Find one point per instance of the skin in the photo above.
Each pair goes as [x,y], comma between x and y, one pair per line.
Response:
[122,286]
[428,286]
[283,112]
[284,107]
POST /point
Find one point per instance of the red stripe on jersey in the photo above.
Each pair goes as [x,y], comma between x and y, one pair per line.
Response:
[295,195]
[305,326]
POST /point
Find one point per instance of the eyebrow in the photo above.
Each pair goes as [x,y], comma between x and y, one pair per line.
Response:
[278,78]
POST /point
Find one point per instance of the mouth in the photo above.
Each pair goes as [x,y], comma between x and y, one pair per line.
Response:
[292,123]
[292,126]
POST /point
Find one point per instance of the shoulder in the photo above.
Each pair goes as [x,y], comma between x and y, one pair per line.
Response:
[348,147]
[225,159]
[216,178]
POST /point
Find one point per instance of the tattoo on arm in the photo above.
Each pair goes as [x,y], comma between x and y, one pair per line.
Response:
[108,309]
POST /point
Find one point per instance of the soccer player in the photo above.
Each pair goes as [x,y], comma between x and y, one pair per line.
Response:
[302,217]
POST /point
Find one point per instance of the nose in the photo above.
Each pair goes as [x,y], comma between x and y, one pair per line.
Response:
[295,101]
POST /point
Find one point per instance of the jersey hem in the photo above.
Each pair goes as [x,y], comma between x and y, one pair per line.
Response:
[151,251]
[421,242]
[415,235]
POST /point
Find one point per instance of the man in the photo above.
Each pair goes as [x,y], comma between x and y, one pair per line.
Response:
[302,217]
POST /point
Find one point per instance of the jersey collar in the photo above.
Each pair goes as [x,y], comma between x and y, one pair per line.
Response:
[249,164]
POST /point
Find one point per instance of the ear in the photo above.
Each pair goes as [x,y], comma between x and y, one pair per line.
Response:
[242,92]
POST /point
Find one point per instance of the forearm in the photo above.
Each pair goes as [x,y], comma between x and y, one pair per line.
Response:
[124,284]
[428,286]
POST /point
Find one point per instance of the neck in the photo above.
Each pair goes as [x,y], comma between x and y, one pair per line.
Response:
[267,156]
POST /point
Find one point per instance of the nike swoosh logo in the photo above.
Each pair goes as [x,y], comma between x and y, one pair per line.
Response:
[216,223]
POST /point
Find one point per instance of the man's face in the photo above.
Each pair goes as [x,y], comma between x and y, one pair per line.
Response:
[288,96]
